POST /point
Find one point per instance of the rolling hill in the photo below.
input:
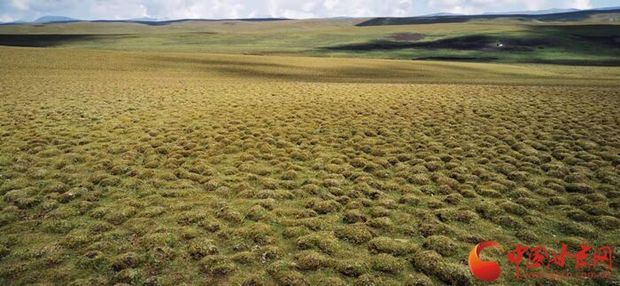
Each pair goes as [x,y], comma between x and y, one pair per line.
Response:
[578,38]
[54,19]
[563,16]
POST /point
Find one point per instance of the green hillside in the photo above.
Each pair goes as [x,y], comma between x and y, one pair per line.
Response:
[592,40]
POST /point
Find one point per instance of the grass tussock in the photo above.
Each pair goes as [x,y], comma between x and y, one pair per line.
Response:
[145,172]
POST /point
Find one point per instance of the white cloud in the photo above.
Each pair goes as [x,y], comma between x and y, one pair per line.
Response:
[481,6]
[20,4]
[581,4]
[175,9]
[6,18]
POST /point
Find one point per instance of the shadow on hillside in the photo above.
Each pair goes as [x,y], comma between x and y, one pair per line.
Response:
[50,40]
[257,68]
[40,40]
[466,43]
[215,63]
[586,41]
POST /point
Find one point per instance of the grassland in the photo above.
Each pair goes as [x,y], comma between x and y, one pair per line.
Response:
[590,41]
[151,168]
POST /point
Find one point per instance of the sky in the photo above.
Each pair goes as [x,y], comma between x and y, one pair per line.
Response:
[14,10]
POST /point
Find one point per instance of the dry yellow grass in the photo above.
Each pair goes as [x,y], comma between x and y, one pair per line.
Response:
[214,169]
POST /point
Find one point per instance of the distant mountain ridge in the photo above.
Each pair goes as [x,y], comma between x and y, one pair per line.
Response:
[526,12]
[144,20]
[534,12]
[53,19]
[440,14]
[442,17]
[607,8]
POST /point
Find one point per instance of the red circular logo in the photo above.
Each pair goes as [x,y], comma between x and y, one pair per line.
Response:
[484,270]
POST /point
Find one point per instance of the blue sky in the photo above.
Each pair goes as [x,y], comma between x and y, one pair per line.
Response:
[12,10]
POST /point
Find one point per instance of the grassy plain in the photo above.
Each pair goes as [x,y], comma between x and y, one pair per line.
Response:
[592,41]
[175,168]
